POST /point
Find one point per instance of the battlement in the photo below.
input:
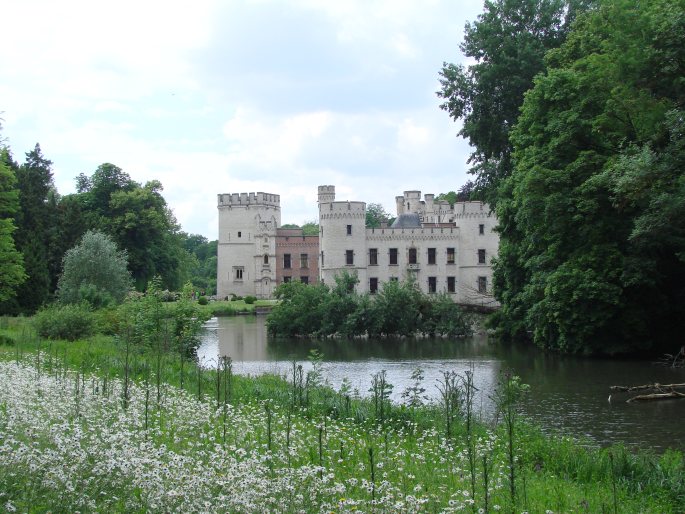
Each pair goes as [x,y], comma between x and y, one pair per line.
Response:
[463,209]
[326,194]
[343,208]
[248,199]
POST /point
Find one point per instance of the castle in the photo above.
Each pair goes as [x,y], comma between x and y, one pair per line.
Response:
[444,248]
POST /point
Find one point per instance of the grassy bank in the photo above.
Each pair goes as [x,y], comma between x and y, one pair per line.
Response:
[83,430]
[231,308]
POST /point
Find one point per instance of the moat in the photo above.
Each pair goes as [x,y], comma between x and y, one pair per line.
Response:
[568,394]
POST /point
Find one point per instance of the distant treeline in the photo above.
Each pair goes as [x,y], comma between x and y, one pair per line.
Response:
[38,226]
[398,309]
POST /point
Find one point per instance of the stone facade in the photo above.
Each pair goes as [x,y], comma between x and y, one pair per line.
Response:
[445,248]
[246,254]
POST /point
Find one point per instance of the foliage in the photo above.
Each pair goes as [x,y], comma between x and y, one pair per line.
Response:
[399,309]
[69,322]
[202,271]
[250,300]
[36,236]
[310,228]
[11,265]
[94,271]
[591,248]
[375,215]
[508,42]
[466,193]
[202,300]
[138,219]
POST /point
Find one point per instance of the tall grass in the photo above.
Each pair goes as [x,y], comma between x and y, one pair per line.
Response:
[256,444]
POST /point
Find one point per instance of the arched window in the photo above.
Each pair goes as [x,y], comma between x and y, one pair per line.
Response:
[266,259]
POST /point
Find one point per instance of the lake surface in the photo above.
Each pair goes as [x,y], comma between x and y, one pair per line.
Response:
[567,394]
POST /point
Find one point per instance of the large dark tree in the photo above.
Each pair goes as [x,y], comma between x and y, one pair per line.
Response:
[35,222]
[508,42]
[11,264]
[592,220]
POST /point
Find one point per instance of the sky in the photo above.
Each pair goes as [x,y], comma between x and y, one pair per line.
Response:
[213,97]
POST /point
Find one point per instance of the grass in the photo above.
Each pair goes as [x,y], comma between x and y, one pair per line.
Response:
[211,441]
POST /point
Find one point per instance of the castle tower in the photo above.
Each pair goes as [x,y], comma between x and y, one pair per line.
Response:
[246,254]
[326,194]
[342,238]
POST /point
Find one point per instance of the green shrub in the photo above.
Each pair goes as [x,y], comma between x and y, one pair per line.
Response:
[70,322]
[202,300]
[236,297]
[6,340]
[249,300]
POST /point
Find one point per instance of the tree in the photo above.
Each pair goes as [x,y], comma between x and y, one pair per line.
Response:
[11,265]
[508,41]
[138,220]
[35,234]
[591,227]
[375,215]
[310,228]
[94,271]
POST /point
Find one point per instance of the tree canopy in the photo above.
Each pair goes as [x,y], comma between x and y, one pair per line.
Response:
[508,42]
[94,271]
[11,263]
[592,222]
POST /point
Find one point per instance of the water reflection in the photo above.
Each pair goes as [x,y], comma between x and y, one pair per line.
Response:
[567,394]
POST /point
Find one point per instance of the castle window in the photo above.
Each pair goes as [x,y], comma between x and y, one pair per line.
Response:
[349,230]
[451,285]
[393,256]
[373,285]
[304,279]
[304,260]
[322,257]
[432,284]
[286,279]
[286,261]
[481,256]
[373,256]
[482,285]
[412,256]
[450,256]
[238,273]
[431,256]
[481,229]
[240,233]
[266,259]
[349,257]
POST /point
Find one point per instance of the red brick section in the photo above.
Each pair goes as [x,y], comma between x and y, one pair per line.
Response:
[290,241]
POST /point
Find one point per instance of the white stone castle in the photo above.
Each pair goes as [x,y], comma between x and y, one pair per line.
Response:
[444,248]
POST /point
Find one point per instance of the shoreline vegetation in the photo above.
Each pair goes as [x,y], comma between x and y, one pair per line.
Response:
[111,423]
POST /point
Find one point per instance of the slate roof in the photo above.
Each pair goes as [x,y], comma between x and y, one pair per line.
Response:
[407,220]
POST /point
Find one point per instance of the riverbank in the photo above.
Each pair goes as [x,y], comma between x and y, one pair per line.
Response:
[209,440]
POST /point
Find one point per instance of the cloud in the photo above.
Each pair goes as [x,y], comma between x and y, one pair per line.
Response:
[214,97]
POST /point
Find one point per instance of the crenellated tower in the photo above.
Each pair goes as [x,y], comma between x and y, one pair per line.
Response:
[246,254]
[342,237]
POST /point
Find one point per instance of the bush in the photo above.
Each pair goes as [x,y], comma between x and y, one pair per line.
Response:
[249,300]
[202,300]
[236,297]
[6,340]
[70,322]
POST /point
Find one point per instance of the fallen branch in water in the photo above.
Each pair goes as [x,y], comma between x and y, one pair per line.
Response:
[656,396]
[655,386]
[662,392]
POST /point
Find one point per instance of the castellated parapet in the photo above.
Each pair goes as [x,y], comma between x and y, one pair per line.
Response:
[249,199]
[326,194]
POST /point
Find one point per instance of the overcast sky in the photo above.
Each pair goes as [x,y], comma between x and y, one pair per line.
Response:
[217,97]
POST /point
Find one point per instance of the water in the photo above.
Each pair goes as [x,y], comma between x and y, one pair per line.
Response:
[567,394]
